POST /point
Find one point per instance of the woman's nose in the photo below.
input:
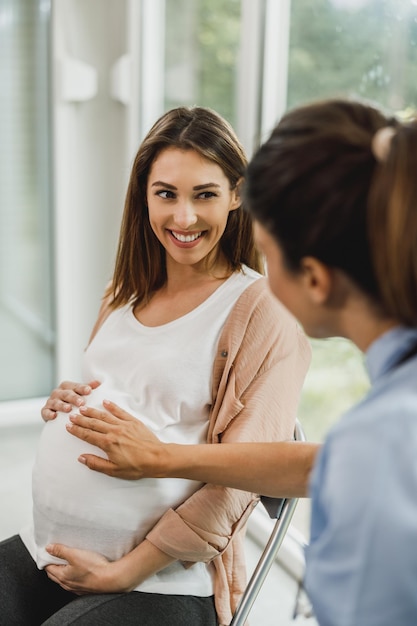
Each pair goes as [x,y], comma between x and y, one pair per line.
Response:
[185,215]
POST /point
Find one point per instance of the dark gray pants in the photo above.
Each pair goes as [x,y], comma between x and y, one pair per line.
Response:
[29,598]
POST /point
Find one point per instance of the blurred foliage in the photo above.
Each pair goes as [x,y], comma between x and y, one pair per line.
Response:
[219,38]
[203,35]
[363,48]
[336,380]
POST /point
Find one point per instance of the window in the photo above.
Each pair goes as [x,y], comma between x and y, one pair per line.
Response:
[202,49]
[362,48]
[348,48]
[26,318]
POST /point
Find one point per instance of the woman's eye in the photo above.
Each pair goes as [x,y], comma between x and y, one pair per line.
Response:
[204,195]
[164,193]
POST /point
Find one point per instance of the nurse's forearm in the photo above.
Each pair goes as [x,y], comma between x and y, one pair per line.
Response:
[279,469]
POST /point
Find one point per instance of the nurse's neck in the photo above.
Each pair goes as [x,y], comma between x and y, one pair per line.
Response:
[363,323]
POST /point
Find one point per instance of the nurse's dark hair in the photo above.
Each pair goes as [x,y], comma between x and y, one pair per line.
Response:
[318,188]
[140,267]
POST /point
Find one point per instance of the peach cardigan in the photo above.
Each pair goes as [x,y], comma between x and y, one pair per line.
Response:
[261,363]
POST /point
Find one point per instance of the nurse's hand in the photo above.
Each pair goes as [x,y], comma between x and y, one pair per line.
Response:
[65,397]
[133,451]
[85,572]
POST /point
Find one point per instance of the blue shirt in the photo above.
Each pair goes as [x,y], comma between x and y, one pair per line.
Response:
[361,564]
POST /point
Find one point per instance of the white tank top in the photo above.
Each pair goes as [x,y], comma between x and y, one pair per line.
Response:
[163,376]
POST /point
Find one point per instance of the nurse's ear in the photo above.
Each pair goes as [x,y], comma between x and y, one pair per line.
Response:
[317,279]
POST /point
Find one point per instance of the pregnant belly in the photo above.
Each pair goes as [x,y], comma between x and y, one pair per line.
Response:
[81,508]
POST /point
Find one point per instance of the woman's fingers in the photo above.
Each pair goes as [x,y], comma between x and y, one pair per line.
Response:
[73,393]
[83,572]
[69,394]
[98,464]
[96,426]
[85,425]
[48,414]
[113,414]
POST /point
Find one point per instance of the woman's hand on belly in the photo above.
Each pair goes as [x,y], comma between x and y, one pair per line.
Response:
[85,572]
[67,395]
[89,572]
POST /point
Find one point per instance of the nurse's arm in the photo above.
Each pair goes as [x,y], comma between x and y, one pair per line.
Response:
[278,469]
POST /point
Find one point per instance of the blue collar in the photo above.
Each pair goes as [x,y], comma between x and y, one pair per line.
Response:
[388,349]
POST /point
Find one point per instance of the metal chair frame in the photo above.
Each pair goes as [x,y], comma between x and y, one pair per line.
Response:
[282,509]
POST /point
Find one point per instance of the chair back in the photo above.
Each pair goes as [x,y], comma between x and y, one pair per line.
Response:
[281,509]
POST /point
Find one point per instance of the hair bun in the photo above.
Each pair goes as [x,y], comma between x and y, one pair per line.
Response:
[381,143]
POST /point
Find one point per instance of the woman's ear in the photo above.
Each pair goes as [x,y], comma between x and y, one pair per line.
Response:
[317,279]
[236,200]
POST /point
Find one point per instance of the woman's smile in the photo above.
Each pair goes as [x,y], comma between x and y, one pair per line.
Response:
[186,239]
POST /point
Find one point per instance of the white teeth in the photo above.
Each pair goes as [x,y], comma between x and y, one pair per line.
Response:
[186,238]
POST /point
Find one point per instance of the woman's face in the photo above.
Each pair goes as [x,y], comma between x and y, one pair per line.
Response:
[189,200]
[294,289]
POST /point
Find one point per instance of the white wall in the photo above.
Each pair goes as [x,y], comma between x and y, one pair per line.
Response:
[91,164]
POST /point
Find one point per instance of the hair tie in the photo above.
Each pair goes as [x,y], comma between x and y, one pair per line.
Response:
[381,143]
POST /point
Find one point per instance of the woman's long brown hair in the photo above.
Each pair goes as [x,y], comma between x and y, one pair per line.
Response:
[140,267]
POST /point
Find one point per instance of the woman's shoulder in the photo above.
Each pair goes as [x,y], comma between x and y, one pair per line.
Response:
[258,318]
[106,310]
[258,299]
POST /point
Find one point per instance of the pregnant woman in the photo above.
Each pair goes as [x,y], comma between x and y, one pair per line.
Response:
[190,341]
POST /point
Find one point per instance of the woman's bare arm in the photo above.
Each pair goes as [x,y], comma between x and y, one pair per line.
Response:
[90,572]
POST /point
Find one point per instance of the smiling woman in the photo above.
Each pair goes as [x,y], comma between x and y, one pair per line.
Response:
[188,216]
[190,341]
[189,202]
